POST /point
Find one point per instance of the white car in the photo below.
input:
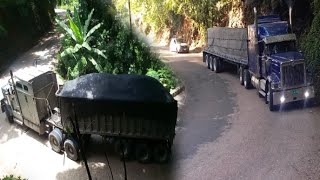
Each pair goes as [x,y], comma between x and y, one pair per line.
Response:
[178,45]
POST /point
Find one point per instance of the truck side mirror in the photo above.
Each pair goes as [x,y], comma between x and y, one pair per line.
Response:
[268,62]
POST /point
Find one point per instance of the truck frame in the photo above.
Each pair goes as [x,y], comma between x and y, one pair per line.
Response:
[266,56]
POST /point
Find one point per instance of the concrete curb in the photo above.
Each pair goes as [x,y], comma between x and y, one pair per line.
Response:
[177,90]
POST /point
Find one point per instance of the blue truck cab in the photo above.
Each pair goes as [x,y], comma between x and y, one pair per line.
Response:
[276,67]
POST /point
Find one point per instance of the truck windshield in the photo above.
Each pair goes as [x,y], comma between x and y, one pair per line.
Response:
[180,40]
[281,47]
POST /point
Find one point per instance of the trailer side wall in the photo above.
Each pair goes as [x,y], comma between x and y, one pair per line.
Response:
[228,43]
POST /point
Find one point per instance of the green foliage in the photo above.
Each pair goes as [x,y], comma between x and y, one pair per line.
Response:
[3,31]
[165,76]
[102,43]
[77,53]
[12,177]
[311,47]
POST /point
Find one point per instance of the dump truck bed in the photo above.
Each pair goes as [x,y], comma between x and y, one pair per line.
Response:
[129,106]
[228,43]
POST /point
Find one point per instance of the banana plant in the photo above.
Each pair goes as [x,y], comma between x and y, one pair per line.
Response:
[81,35]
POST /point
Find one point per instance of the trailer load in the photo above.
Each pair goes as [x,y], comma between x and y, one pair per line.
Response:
[136,113]
[266,57]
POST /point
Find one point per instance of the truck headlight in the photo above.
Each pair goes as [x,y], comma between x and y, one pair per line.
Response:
[275,85]
[306,94]
[282,99]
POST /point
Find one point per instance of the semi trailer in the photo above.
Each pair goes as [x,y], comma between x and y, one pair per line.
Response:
[266,56]
[136,113]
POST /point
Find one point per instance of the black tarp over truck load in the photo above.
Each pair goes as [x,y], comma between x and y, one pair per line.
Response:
[132,107]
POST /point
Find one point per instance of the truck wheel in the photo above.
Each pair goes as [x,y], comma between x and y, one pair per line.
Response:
[143,153]
[204,56]
[8,112]
[247,79]
[161,153]
[56,140]
[217,64]
[72,149]
[211,63]
[208,61]
[271,106]
[241,75]
[123,146]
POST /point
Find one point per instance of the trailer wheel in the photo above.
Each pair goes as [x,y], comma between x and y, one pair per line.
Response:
[241,75]
[123,146]
[247,79]
[271,106]
[8,112]
[208,61]
[211,63]
[161,153]
[72,149]
[217,65]
[56,140]
[143,153]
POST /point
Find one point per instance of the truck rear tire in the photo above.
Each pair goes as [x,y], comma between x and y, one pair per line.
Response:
[241,75]
[161,153]
[72,149]
[271,106]
[215,64]
[208,60]
[247,79]
[8,112]
[56,140]
[143,153]
[123,146]
[211,63]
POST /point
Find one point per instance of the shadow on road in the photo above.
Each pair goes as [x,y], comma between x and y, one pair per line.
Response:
[99,167]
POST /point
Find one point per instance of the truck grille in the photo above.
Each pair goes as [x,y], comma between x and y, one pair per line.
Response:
[293,75]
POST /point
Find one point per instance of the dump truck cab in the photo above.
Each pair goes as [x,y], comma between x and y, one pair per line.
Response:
[29,98]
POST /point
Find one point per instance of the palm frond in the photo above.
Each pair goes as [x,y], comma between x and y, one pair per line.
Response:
[66,28]
[92,30]
[87,23]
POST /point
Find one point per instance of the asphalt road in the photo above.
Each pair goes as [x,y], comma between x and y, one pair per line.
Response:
[224,132]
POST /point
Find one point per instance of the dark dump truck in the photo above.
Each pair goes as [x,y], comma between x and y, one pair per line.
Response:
[266,56]
[136,113]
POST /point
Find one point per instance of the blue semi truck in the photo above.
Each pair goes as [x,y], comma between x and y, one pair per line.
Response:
[266,56]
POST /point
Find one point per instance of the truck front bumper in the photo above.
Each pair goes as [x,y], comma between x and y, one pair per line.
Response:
[292,95]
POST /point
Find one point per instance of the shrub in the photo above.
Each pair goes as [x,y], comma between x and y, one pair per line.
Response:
[311,45]
[12,177]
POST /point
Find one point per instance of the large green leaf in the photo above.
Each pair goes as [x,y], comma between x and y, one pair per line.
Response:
[66,28]
[96,65]
[99,52]
[76,20]
[71,50]
[87,46]
[92,30]
[87,23]
[76,31]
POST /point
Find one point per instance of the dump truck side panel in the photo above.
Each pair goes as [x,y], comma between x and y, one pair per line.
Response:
[124,120]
